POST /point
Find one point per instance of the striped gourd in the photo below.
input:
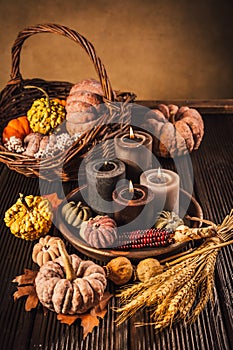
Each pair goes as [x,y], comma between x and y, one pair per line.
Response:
[75,213]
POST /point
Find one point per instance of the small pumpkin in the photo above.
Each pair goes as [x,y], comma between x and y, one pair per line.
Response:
[84,105]
[69,285]
[32,143]
[30,217]
[99,232]
[45,250]
[18,127]
[176,130]
[45,114]
[168,220]
[75,213]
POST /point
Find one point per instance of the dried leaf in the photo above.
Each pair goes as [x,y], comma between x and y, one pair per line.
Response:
[98,313]
[88,322]
[27,278]
[26,287]
[53,199]
[32,301]
[22,291]
[100,309]
[29,291]
[67,319]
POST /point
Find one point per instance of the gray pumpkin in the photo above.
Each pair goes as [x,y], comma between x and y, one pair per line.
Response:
[69,285]
[75,213]
[168,220]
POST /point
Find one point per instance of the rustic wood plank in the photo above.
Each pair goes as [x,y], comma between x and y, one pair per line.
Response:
[213,106]
[213,169]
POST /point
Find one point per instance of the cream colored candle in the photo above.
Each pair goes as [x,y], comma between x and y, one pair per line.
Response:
[166,186]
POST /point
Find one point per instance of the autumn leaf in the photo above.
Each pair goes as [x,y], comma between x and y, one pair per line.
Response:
[27,278]
[90,319]
[101,308]
[32,300]
[67,319]
[54,200]
[88,322]
[26,287]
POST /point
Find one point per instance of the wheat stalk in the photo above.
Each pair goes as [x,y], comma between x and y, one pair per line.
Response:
[185,282]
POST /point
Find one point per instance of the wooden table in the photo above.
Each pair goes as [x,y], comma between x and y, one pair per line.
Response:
[213,188]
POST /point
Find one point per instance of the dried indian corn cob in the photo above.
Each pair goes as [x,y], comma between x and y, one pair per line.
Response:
[162,237]
[149,238]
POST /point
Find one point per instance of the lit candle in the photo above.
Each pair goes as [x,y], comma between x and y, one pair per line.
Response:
[133,206]
[165,185]
[102,177]
[135,150]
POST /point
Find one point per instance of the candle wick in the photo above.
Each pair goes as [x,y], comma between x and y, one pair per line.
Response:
[159,173]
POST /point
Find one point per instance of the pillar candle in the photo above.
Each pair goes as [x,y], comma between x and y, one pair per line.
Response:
[165,185]
[135,150]
[134,209]
[102,178]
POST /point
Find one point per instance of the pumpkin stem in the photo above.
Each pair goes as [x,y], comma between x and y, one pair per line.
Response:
[172,118]
[24,203]
[42,90]
[70,274]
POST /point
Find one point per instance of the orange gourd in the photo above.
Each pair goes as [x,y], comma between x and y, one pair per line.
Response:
[18,127]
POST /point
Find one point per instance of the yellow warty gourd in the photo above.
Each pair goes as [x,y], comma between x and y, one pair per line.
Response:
[30,217]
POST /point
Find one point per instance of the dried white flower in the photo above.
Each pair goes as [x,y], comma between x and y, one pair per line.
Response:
[56,144]
[14,144]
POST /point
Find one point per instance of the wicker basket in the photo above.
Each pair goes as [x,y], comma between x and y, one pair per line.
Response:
[15,100]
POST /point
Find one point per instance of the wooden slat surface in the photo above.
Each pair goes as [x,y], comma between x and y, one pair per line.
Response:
[213,169]
[212,106]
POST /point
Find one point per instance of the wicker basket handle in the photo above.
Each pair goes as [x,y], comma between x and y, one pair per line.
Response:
[71,34]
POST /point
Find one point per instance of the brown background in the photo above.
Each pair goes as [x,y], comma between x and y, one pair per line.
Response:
[158,49]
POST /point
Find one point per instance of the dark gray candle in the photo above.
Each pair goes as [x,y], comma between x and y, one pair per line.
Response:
[135,150]
[102,178]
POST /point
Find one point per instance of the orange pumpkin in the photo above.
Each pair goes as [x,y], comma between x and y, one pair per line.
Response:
[62,102]
[18,127]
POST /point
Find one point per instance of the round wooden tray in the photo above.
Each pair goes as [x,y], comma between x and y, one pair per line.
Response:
[72,235]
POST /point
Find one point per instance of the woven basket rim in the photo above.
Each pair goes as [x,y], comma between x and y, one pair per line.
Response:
[13,93]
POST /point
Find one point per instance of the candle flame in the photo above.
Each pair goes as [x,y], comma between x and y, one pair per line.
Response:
[131,189]
[131,133]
